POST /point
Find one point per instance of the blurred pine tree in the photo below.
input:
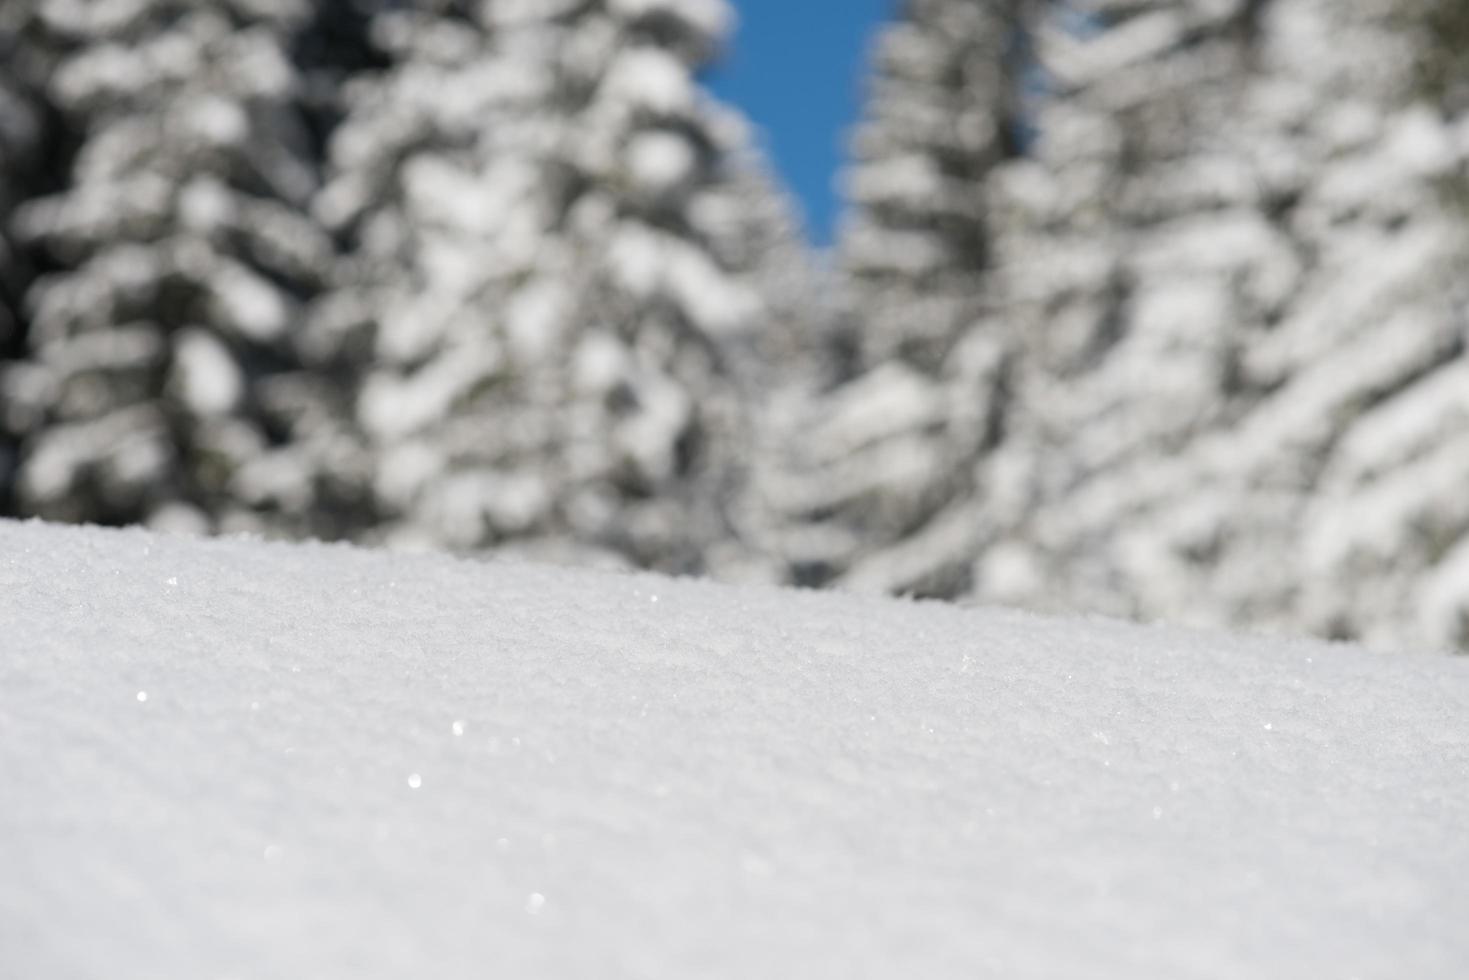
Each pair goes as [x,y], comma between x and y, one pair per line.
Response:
[24,144]
[1379,339]
[878,487]
[552,279]
[1269,435]
[1137,253]
[157,348]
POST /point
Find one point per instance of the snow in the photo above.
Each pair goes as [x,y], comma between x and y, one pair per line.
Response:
[650,80]
[237,759]
[660,163]
[205,373]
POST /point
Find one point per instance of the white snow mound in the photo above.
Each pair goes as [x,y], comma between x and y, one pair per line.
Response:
[228,759]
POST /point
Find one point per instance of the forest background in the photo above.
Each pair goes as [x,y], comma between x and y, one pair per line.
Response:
[1154,308]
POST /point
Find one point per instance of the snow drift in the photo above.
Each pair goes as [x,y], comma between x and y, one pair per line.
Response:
[233,759]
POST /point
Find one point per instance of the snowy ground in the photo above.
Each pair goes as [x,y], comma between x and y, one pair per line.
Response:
[231,759]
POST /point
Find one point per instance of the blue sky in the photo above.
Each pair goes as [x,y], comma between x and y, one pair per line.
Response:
[795,67]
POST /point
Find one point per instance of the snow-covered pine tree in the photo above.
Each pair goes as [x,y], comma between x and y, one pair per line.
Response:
[1138,254]
[878,484]
[1314,489]
[544,210]
[22,139]
[161,359]
[756,228]
[23,149]
[1371,417]
[1323,506]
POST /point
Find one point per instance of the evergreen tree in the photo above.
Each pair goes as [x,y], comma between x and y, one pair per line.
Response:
[23,148]
[1377,344]
[754,228]
[1277,456]
[1137,256]
[544,217]
[1285,522]
[161,356]
[879,471]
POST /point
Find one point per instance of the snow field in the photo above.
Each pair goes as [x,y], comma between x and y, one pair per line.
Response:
[247,760]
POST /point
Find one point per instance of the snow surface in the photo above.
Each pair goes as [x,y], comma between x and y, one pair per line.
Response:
[229,759]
